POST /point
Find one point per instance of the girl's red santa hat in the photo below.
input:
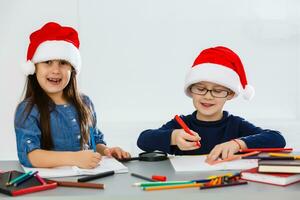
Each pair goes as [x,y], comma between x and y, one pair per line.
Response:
[52,42]
[222,66]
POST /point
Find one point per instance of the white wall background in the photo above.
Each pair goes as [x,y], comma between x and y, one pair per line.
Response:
[136,53]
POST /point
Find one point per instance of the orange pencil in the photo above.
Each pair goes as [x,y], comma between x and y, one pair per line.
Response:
[185,127]
[167,187]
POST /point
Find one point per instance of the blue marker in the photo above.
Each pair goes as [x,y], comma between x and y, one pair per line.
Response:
[92,139]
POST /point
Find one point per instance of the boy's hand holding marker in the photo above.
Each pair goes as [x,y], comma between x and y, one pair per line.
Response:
[185,141]
[185,138]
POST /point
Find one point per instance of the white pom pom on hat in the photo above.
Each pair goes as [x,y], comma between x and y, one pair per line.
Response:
[222,66]
[28,68]
[51,42]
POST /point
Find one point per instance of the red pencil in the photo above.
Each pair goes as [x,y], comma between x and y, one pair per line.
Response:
[185,127]
[268,149]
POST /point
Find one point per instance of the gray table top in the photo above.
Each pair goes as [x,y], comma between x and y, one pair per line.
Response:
[120,186]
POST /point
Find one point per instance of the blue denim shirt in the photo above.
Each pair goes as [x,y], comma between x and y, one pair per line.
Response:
[64,126]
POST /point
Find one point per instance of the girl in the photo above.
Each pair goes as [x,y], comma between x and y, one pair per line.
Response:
[217,76]
[55,124]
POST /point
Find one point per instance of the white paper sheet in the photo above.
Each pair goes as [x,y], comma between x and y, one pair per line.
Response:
[197,163]
[106,164]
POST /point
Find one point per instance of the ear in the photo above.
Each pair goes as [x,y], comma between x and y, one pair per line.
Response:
[230,96]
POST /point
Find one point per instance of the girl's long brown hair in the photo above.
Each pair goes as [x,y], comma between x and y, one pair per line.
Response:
[37,96]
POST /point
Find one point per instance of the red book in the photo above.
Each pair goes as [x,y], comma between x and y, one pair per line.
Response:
[279,179]
[29,186]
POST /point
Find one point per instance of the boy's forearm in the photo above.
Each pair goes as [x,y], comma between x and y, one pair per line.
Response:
[44,158]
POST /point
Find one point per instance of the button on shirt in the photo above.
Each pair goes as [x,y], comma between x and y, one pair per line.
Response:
[65,130]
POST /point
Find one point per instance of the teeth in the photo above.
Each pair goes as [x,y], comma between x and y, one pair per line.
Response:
[54,79]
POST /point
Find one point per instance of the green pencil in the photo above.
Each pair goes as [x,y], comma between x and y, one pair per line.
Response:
[18,178]
[148,184]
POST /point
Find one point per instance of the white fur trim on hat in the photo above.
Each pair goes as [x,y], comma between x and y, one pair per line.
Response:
[28,68]
[248,92]
[58,49]
[213,73]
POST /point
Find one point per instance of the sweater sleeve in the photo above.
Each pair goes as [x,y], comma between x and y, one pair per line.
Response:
[157,139]
[256,137]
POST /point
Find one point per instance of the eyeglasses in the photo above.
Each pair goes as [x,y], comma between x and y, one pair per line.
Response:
[217,93]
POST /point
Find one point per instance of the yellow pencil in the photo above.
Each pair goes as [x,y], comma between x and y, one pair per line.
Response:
[167,187]
[284,155]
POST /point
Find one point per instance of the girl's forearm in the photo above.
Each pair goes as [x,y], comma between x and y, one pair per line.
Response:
[100,148]
[44,158]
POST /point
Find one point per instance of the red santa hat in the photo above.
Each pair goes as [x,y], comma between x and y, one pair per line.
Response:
[222,66]
[51,42]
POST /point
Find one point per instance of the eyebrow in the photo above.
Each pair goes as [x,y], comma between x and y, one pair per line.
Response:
[214,87]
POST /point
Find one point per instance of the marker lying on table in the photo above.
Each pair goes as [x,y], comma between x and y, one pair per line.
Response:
[142,177]
[268,150]
[96,176]
[185,128]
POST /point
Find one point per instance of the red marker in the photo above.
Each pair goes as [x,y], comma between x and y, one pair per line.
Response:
[185,127]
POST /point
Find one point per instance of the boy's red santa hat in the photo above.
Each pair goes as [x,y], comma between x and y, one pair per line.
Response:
[222,66]
[52,42]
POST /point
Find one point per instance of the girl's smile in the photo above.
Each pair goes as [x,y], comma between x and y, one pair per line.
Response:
[54,81]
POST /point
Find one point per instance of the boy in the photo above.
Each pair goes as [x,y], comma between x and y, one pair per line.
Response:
[216,76]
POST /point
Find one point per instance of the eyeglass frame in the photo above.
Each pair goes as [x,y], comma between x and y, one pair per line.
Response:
[211,92]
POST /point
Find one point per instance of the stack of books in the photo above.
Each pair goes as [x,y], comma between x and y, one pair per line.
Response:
[275,168]
[280,179]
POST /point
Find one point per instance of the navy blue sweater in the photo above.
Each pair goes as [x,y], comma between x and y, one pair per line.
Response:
[211,133]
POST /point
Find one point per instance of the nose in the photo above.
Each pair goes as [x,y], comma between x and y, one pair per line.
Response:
[55,66]
[208,95]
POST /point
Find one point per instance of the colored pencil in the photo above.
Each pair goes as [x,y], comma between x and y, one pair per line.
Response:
[8,178]
[80,185]
[168,187]
[40,179]
[224,185]
[160,183]
[269,158]
[268,150]
[26,178]
[283,155]
[19,178]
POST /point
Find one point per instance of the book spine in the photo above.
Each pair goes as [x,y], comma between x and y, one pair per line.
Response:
[34,189]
